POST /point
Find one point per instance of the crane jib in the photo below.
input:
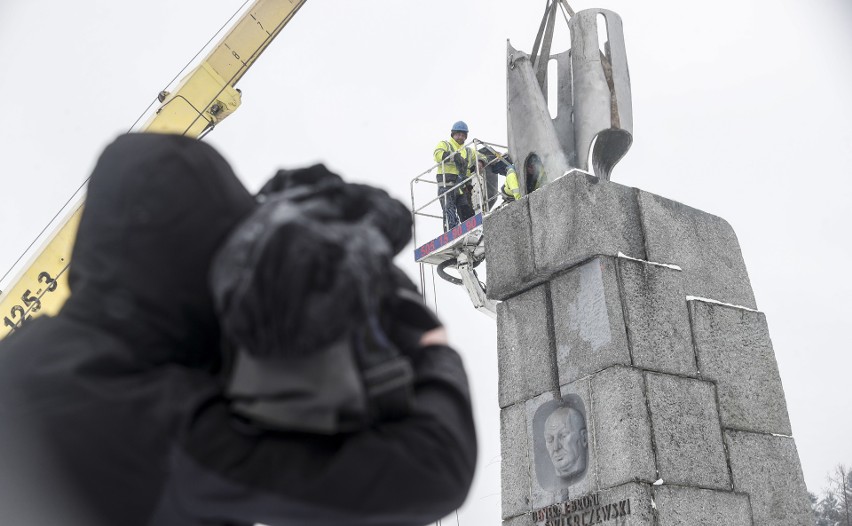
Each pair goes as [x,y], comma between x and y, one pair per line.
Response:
[202,99]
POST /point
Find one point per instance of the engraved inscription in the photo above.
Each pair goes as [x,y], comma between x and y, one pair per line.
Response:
[584,511]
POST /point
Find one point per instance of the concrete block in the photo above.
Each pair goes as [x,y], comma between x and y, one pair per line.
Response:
[687,434]
[703,245]
[625,505]
[588,320]
[622,428]
[514,467]
[735,352]
[525,347]
[684,506]
[767,468]
[579,216]
[657,318]
[508,250]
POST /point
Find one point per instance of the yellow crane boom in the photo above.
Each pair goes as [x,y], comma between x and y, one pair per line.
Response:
[202,99]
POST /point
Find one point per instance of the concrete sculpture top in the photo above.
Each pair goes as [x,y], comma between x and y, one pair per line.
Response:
[594,120]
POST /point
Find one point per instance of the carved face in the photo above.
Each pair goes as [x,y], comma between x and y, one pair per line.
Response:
[566,439]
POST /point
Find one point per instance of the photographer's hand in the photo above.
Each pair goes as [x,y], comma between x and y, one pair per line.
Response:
[436,336]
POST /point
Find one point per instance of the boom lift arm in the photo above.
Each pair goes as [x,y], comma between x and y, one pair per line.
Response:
[202,99]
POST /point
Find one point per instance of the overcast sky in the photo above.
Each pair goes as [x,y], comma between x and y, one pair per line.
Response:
[741,109]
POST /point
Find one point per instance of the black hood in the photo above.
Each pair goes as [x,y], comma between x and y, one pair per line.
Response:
[158,206]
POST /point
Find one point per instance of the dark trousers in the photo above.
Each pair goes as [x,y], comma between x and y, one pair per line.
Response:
[456,206]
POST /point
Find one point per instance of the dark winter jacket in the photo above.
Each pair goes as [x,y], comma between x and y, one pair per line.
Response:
[90,399]
[111,412]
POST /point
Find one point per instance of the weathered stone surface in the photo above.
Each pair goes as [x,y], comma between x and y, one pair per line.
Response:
[625,505]
[656,317]
[640,508]
[684,506]
[582,391]
[588,320]
[520,520]
[508,250]
[514,467]
[687,435]
[703,245]
[578,216]
[734,350]
[767,468]
[525,347]
[622,429]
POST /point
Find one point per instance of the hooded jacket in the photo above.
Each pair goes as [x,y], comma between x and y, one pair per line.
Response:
[90,399]
[113,413]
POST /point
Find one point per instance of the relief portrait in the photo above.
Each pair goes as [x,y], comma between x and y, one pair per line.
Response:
[560,442]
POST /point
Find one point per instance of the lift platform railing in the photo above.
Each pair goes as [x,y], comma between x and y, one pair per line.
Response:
[481,185]
[460,247]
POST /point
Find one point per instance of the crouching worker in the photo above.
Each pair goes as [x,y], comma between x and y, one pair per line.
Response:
[343,403]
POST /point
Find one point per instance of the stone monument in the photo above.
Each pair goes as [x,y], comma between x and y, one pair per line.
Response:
[638,385]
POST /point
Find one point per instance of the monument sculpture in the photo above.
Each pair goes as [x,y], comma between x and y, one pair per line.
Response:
[566,439]
[638,385]
[560,447]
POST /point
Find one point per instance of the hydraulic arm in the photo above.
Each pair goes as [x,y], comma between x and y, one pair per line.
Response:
[203,98]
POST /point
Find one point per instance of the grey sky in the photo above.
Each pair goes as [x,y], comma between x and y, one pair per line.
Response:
[741,109]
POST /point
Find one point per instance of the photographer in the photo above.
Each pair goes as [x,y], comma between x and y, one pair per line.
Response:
[122,409]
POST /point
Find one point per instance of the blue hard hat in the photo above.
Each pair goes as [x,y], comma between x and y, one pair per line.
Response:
[459,126]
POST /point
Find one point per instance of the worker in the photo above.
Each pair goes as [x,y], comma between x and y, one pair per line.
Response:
[534,171]
[455,161]
[114,411]
[511,190]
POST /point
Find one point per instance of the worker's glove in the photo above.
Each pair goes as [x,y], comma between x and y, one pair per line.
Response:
[461,164]
[446,155]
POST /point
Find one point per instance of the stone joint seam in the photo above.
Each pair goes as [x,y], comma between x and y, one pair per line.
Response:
[549,315]
[722,433]
[530,237]
[706,488]
[595,434]
[671,266]
[642,222]
[624,314]
[749,431]
[643,375]
[640,369]
[689,312]
[720,303]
